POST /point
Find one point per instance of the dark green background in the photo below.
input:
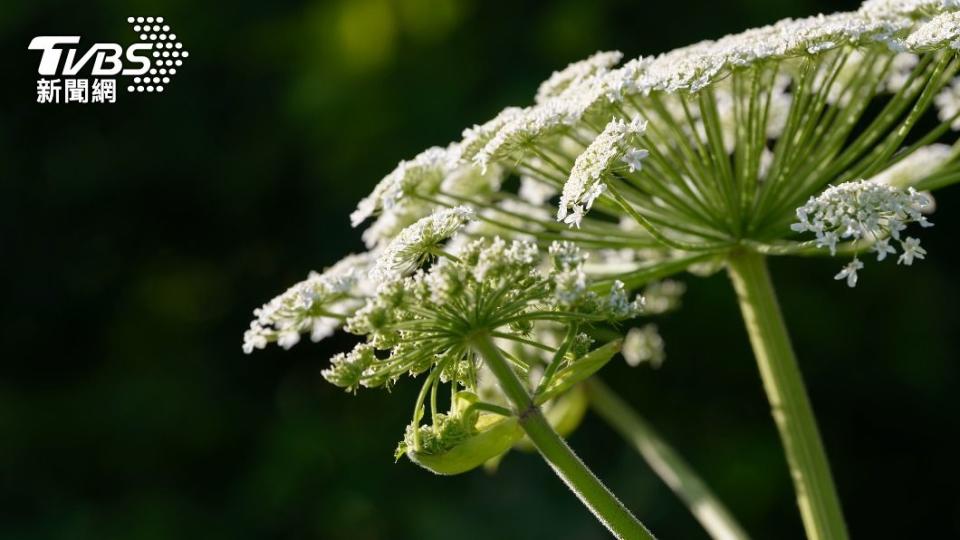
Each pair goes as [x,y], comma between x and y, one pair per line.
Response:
[137,238]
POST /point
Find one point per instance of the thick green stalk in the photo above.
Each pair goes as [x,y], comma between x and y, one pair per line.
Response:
[816,493]
[665,462]
[588,488]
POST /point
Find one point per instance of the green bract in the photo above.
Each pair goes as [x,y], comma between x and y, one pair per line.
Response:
[461,440]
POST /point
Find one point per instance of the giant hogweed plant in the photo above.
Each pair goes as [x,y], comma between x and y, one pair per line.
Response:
[500,268]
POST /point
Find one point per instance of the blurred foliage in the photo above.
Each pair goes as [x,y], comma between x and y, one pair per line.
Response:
[136,238]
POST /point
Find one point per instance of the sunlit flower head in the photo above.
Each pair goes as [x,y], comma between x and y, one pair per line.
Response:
[864,212]
[415,243]
[316,306]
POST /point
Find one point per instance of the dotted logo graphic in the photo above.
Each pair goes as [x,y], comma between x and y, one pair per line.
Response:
[167,56]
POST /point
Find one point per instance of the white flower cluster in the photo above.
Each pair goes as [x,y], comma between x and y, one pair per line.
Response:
[534,191]
[901,67]
[582,90]
[644,344]
[694,67]
[916,166]
[347,370]
[587,93]
[618,304]
[427,168]
[948,104]
[698,151]
[940,31]
[887,8]
[515,136]
[617,142]
[662,296]
[418,241]
[570,279]
[868,211]
[433,170]
[576,73]
[475,138]
[316,305]
[498,258]
[570,284]
[588,127]
[490,285]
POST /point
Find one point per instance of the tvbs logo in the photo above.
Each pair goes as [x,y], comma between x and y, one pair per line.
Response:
[106,57]
[150,64]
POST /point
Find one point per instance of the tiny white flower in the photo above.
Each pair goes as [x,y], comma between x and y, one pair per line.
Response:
[828,240]
[911,250]
[592,194]
[895,228]
[882,248]
[575,217]
[849,272]
[634,158]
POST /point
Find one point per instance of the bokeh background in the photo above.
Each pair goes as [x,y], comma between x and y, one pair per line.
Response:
[137,238]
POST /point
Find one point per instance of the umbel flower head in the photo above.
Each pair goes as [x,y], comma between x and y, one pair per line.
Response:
[406,252]
[619,175]
[704,149]
[427,322]
[868,212]
[316,306]
[494,286]
[616,143]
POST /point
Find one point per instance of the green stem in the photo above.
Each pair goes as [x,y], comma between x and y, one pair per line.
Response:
[665,462]
[587,487]
[816,493]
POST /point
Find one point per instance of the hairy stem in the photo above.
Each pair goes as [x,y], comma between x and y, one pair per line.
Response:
[587,487]
[816,493]
[665,462]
